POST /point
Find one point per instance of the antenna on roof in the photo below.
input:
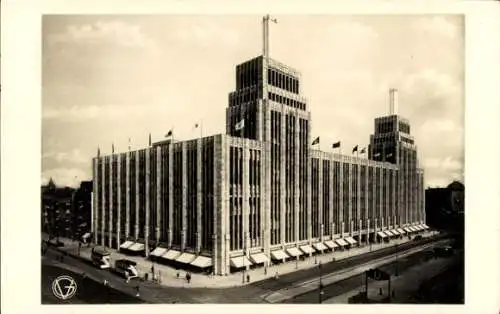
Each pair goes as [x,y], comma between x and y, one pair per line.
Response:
[393,101]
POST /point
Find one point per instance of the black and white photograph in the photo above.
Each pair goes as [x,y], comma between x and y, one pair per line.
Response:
[253,157]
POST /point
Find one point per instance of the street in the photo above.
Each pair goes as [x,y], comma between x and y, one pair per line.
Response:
[252,293]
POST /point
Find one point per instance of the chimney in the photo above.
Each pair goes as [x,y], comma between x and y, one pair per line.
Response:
[393,101]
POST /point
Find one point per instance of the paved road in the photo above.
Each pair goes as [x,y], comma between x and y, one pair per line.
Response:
[354,282]
[88,291]
[252,293]
[445,288]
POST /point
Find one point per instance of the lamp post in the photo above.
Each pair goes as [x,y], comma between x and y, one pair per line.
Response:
[320,284]
[397,263]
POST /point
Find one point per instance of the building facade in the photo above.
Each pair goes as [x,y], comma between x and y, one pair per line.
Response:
[260,192]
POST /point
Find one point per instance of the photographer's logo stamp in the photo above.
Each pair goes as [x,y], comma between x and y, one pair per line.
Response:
[64,287]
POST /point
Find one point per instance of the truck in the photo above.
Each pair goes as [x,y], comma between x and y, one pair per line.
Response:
[101,257]
[126,268]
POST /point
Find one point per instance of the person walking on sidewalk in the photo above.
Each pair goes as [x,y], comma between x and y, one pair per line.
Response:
[188,277]
[137,290]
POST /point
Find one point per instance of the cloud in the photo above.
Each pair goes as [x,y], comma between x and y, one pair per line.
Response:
[110,32]
[206,33]
[74,156]
[437,25]
[65,176]
[123,112]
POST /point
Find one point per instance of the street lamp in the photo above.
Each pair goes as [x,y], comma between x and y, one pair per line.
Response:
[397,263]
[320,284]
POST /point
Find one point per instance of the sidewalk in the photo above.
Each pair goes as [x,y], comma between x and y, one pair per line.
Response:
[169,275]
[404,286]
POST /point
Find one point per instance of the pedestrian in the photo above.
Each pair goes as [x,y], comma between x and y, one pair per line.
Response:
[265,271]
[248,278]
[276,276]
[137,290]
[178,275]
[153,271]
[188,277]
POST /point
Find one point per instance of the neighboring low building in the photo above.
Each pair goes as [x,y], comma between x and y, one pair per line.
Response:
[57,210]
[82,210]
[444,207]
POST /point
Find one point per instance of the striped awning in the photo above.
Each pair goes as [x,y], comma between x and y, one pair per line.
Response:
[351,240]
[126,244]
[413,229]
[240,262]
[341,242]
[408,229]
[159,251]
[258,258]
[382,234]
[171,255]
[391,233]
[202,262]
[186,258]
[396,232]
[278,255]
[136,247]
[319,246]
[307,249]
[293,251]
[425,226]
[331,244]
[401,231]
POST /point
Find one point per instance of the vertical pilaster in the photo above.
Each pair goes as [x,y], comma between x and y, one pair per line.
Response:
[198,195]
[386,185]
[308,170]
[358,196]
[103,201]
[296,179]
[184,196]
[159,222]
[366,192]
[259,121]
[330,198]
[266,163]
[171,192]
[95,200]
[148,201]
[137,198]
[320,196]
[118,199]
[381,197]
[349,200]
[246,198]
[282,165]
[110,207]
[127,195]
[341,197]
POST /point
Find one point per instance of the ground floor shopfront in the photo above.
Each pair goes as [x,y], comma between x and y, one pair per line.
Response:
[257,258]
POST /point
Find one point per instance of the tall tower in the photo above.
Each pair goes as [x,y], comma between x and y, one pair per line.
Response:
[267,106]
[392,142]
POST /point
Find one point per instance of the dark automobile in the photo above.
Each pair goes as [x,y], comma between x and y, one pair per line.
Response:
[445,251]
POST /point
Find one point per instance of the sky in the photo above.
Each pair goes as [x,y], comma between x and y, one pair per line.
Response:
[110,78]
